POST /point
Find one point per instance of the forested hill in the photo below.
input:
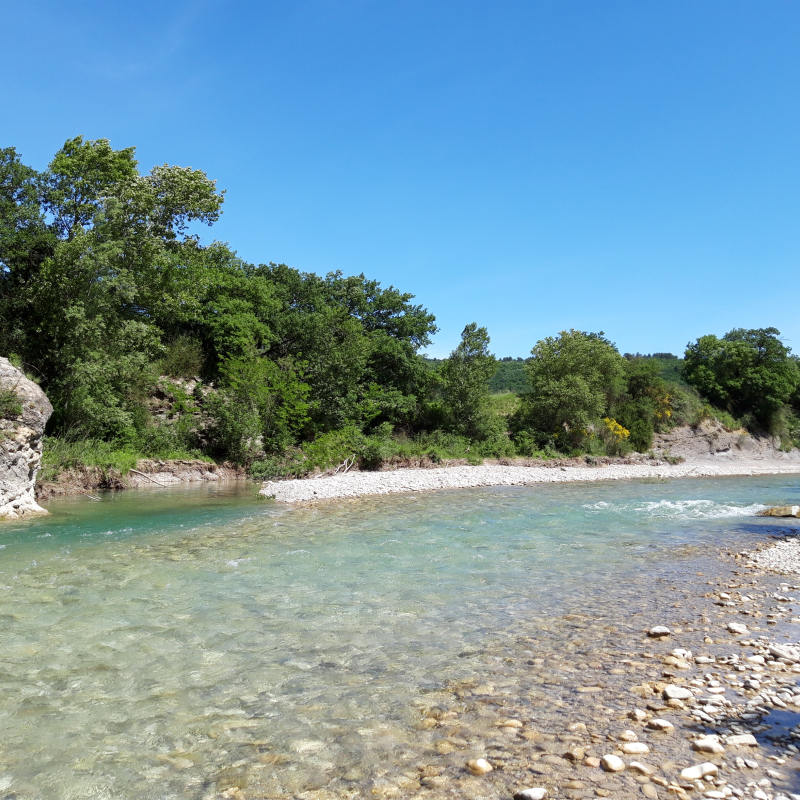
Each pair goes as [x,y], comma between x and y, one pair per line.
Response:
[152,342]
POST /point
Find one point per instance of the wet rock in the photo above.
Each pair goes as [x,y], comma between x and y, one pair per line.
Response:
[637,714]
[663,725]
[742,740]
[780,511]
[574,754]
[673,692]
[592,761]
[707,746]
[534,793]
[659,631]
[699,771]
[434,781]
[737,628]
[479,766]
[612,763]
[649,791]
[642,769]
[628,736]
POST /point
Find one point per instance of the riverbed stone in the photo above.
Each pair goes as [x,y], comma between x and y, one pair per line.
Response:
[479,766]
[699,771]
[673,692]
[737,627]
[742,740]
[635,748]
[706,745]
[534,793]
[663,725]
[612,763]
[659,631]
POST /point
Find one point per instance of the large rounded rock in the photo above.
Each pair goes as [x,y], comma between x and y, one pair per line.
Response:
[21,444]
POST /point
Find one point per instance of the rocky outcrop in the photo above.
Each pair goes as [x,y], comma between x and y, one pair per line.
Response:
[712,442]
[21,444]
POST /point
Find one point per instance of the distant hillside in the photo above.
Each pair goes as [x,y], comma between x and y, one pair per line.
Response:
[670,365]
[510,376]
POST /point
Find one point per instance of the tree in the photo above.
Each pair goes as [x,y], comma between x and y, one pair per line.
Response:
[465,384]
[749,373]
[574,379]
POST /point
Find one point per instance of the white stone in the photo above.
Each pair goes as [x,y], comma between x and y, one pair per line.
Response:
[737,628]
[479,766]
[707,746]
[659,630]
[637,766]
[699,771]
[661,725]
[635,748]
[742,740]
[672,692]
[612,763]
[536,793]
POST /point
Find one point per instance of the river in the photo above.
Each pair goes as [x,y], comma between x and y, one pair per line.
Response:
[184,642]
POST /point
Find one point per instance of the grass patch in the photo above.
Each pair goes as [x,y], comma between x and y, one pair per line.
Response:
[10,404]
[62,455]
[504,404]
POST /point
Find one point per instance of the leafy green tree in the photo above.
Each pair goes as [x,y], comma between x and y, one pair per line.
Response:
[645,404]
[465,384]
[574,377]
[749,373]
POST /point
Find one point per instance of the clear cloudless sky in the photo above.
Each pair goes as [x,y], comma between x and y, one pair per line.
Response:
[630,167]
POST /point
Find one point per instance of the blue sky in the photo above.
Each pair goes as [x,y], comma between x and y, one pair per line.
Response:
[532,166]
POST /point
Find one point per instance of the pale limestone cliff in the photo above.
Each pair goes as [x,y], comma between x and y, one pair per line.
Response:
[21,444]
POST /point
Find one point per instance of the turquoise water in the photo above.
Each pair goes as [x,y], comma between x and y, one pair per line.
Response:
[175,643]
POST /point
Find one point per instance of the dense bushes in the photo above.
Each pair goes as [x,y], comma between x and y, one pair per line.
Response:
[748,373]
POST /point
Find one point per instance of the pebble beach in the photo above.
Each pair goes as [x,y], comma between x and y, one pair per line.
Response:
[357,484]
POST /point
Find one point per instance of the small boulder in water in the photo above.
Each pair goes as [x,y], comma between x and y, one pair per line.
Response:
[659,631]
[737,628]
[780,511]
[535,793]
[479,766]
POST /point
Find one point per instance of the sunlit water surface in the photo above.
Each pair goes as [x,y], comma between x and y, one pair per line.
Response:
[170,643]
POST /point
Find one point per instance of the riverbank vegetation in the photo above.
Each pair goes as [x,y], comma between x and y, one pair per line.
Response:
[151,343]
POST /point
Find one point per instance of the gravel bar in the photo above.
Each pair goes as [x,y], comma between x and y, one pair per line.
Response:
[358,484]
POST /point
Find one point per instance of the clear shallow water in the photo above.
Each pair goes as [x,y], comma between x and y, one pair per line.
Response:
[177,642]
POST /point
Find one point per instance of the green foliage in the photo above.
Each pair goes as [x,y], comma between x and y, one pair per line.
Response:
[61,455]
[465,379]
[746,373]
[10,404]
[262,407]
[183,358]
[510,376]
[574,378]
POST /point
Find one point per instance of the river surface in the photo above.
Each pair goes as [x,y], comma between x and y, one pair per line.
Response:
[185,642]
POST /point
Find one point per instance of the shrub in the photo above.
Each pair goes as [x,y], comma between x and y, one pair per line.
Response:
[183,358]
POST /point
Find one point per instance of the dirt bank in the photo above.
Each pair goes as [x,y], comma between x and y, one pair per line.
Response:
[85,480]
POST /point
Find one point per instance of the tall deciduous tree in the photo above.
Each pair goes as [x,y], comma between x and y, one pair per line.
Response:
[465,384]
[574,379]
